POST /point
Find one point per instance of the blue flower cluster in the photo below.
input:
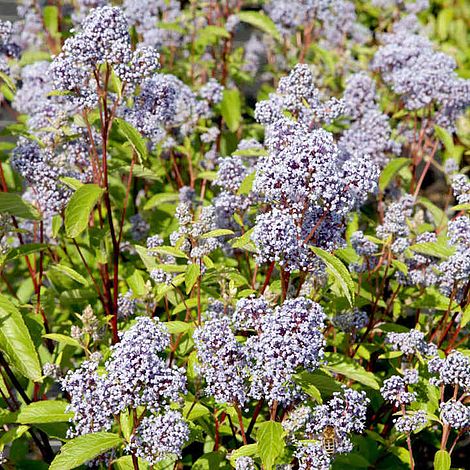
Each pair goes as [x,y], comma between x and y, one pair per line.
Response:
[103,39]
[370,130]
[411,343]
[288,339]
[455,271]
[135,376]
[419,74]
[395,390]
[307,187]
[166,110]
[343,414]
[145,17]
[453,370]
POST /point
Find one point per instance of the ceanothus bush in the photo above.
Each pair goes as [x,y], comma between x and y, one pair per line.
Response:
[234,234]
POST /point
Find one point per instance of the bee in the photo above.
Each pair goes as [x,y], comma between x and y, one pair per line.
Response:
[329,440]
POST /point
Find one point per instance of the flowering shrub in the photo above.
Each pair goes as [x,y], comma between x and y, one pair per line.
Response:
[235,235]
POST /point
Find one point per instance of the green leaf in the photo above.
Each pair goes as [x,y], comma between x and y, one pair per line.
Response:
[270,437]
[444,20]
[181,307]
[323,382]
[194,410]
[56,225]
[63,339]
[83,448]
[251,152]
[13,204]
[134,137]
[435,249]
[169,250]
[51,19]
[433,299]
[461,207]
[191,276]
[339,271]
[209,461]
[72,183]
[442,460]
[47,411]
[137,284]
[12,434]
[402,453]
[310,389]
[465,316]
[140,171]
[243,242]
[115,84]
[8,82]
[445,138]
[171,268]
[439,216]
[177,327]
[247,184]
[207,175]
[220,232]
[351,369]
[402,267]
[125,463]
[230,109]
[391,355]
[210,35]
[390,170]
[69,272]
[79,208]
[16,342]
[250,450]
[261,21]
[160,198]
[126,420]
[25,250]
[148,260]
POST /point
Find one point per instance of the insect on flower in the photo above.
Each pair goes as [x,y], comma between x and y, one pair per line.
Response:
[329,440]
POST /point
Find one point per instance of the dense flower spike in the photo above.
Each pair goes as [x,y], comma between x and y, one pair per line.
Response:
[362,245]
[39,167]
[313,455]
[249,313]
[290,338]
[455,414]
[103,40]
[189,235]
[411,343]
[126,304]
[167,109]
[135,376]
[461,188]
[395,219]
[222,361]
[88,400]
[394,391]
[421,75]
[453,370]
[160,437]
[327,427]
[411,422]
[346,411]
[145,16]
[309,187]
[351,321]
